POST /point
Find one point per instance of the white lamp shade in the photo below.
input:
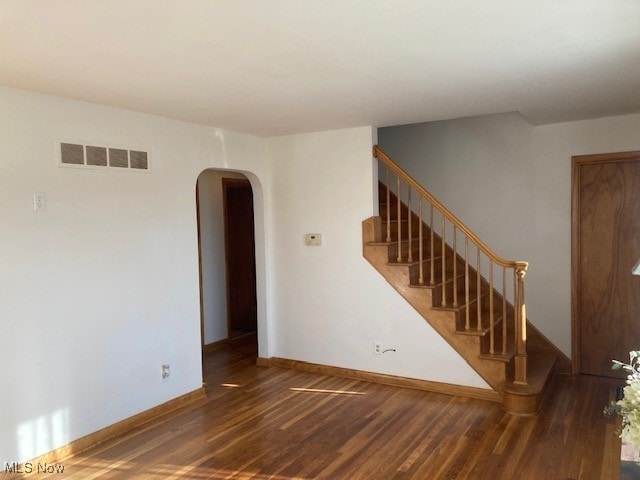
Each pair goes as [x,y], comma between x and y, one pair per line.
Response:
[636,269]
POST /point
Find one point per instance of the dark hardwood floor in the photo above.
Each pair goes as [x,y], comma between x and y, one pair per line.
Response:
[272,423]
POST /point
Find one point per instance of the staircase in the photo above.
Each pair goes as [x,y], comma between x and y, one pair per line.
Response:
[470,296]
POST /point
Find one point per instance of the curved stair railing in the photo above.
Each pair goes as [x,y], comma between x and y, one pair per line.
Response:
[443,248]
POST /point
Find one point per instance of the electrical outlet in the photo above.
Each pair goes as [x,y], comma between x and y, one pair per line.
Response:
[166,371]
[377,348]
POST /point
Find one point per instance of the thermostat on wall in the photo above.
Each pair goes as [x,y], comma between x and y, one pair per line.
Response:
[313,239]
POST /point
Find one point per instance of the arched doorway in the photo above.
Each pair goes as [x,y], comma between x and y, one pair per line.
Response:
[226,237]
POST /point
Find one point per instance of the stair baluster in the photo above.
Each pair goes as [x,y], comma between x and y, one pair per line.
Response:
[504,310]
[432,280]
[410,244]
[467,325]
[398,197]
[444,263]
[478,292]
[421,248]
[388,207]
[492,341]
[455,267]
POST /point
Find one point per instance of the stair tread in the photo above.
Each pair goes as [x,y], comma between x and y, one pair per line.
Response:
[499,357]
[482,331]
[414,239]
[424,285]
[394,220]
[461,301]
[404,263]
[461,305]
[407,263]
[539,367]
[380,244]
[393,243]
[450,307]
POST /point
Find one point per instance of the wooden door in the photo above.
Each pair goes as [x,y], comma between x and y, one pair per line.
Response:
[605,247]
[240,255]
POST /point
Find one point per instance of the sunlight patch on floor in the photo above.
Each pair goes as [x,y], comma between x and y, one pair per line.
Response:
[321,390]
[94,469]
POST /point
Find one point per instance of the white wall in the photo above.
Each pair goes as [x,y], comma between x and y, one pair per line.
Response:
[330,303]
[511,183]
[213,258]
[101,288]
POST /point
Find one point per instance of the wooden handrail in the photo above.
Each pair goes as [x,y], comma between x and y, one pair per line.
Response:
[379,154]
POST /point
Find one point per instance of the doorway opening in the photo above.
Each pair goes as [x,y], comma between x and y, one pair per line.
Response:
[240,248]
[226,236]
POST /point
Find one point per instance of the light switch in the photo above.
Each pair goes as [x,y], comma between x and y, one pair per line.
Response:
[313,239]
[38,201]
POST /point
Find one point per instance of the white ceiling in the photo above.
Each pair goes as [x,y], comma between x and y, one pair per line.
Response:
[274,67]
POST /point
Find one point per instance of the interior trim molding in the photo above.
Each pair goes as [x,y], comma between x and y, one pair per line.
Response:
[123,426]
[209,347]
[417,384]
[263,362]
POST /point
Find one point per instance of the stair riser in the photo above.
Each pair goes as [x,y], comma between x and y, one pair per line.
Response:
[461,315]
[393,212]
[485,341]
[415,249]
[460,298]
[404,233]
[459,285]
[437,271]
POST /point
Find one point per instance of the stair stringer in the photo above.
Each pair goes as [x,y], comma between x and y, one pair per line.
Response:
[494,372]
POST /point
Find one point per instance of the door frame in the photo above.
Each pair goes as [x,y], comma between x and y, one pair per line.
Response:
[200,282]
[576,163]
[238,182]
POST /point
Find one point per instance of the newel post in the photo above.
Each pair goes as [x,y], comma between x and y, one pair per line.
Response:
[520,310]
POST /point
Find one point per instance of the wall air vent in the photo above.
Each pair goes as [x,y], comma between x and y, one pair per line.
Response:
[77,155]
[72,154]
[96,156]
[118,158]
[138,160]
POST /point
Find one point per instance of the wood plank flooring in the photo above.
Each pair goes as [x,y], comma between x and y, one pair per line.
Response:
[273,423]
